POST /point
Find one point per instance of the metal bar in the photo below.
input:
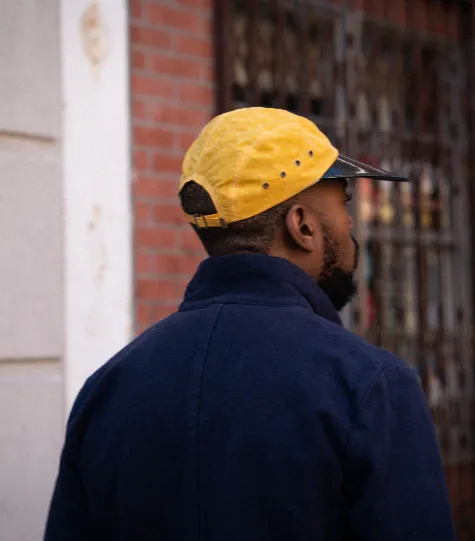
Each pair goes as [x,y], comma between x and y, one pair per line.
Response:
[454,408]
[389,297]
[352,89]
[281,56]
[224,78]
[401,264]
[439,161]
[420,252]
[467,16]
[470,34]
[252,60]
[441,411]
[302,20]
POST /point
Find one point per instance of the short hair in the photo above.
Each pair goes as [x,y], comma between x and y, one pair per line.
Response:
[254,235]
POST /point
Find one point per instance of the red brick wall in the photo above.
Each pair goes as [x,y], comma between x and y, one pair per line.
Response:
[172,83]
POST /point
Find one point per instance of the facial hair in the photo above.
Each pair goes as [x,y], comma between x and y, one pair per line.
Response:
[339,285]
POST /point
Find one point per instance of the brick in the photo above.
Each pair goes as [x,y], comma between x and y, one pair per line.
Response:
[165,263]
[138,60]
[208,72]
[156,289]
[183,141]
[152,137]
[200,47]
[137,9]
[140,329]
[166,163]
[180,116]
[181,286]
[169,214]
[149,186]
[208,28]
[181,19]
[205,6]
[155,86]
[162,312]
[180,67]
[143,212]
[189,240]
[143,263]
[154,237]
[140,160]
[150,37]
[139,108]
[198,95]
[188,264]
[144,314]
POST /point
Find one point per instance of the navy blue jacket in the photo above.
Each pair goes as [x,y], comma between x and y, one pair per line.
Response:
[251,415]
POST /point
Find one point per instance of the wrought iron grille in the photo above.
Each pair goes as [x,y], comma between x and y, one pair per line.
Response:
[389,86]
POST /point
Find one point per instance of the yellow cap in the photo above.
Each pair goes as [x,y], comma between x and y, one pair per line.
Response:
[250,160]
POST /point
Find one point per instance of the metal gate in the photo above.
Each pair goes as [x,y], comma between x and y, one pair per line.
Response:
[388,85]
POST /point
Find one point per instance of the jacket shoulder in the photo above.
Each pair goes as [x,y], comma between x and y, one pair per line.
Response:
[351,358]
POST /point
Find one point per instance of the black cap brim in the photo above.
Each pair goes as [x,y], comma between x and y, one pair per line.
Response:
[345,167]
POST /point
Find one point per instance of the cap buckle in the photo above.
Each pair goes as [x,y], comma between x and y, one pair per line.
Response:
[195,219]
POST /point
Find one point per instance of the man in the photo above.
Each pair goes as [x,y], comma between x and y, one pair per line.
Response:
[251,414]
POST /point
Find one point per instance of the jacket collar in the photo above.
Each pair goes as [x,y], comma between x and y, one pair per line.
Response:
[256,279]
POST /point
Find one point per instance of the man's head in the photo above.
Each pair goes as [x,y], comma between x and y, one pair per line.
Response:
[267,181]
[312,230]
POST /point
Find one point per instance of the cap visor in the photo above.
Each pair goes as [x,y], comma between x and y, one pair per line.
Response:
[345,167]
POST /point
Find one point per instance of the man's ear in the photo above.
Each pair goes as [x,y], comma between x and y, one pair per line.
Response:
[303,228]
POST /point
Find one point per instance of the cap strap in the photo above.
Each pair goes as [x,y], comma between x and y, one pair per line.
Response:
[203,222]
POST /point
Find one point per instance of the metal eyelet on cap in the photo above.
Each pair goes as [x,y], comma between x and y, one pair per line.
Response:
[266,186]
[310,153]
[283,174]
[297,162]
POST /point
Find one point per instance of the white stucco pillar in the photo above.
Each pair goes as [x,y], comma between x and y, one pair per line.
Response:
[97,186]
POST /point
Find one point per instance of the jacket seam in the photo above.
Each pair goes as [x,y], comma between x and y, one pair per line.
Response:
[370,388]
[198,416]
[381,373]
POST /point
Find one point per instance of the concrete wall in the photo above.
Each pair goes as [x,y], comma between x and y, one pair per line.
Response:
[65,231]
[31,328]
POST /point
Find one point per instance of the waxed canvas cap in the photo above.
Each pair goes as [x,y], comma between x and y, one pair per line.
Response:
[250,160]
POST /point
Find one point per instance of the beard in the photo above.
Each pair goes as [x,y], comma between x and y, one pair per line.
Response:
[339,285]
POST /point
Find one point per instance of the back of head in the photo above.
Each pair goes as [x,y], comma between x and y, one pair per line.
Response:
[254,235]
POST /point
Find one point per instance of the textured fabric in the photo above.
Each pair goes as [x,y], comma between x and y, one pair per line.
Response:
[251,415]
[250,160]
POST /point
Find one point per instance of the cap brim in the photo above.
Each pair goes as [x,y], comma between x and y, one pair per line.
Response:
[345,167]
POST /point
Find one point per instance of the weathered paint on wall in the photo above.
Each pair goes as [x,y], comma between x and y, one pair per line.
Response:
[96,179]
